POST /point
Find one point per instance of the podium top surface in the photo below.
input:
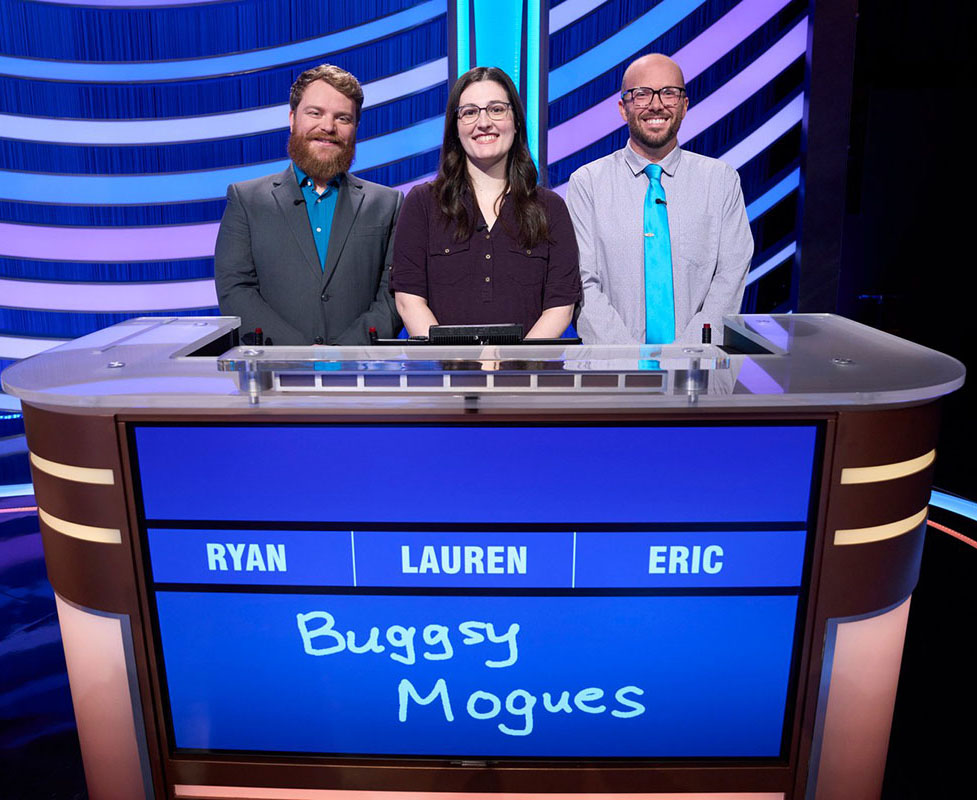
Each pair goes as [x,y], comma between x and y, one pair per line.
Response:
[788,361]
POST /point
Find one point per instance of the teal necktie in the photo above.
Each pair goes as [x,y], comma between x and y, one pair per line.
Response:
[659,294]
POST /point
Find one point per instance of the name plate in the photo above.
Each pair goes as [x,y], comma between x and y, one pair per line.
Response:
[602,599]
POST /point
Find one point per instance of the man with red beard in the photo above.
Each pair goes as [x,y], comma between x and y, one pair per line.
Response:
[305,254]
[664,239]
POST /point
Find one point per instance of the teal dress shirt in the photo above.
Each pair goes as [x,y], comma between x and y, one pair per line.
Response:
[320,208]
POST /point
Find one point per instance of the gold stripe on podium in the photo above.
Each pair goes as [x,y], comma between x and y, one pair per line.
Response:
[104,477]
[89,533]
[878,533]
[887,472]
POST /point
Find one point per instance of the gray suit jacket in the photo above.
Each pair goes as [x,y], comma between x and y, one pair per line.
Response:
[267,269]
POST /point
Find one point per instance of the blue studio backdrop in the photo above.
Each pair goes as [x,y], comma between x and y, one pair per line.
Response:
[121,124]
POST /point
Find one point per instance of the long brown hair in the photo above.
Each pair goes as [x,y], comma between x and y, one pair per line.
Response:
[452,183]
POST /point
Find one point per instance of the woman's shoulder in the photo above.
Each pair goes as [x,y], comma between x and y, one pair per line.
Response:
[555,206]
[420,198]
[423,190]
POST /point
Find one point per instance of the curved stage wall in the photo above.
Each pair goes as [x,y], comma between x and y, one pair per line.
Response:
[121,126]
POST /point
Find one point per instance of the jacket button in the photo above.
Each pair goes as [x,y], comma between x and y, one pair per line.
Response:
[318,340]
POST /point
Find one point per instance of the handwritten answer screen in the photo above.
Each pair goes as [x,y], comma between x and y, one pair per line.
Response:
[529,592]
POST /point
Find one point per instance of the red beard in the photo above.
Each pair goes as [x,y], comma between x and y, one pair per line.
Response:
[321,169]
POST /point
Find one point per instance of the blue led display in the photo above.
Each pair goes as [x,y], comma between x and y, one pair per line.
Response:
[482,474]
[629,676]
[645,607]
[469,559]
[673,559]
[294,558]
[530,559]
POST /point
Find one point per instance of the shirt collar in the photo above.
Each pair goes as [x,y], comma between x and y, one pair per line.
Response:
[305,181]
[468,198]
[637,163]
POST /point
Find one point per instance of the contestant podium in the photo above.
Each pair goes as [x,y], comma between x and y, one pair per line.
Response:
[399,572]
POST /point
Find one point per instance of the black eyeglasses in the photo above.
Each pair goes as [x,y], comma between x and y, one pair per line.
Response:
[496,111]
[641,96]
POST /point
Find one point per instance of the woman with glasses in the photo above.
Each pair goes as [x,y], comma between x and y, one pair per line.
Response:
[483,243]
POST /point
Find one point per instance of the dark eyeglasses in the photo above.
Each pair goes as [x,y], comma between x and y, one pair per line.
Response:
[642,96]
[470,113]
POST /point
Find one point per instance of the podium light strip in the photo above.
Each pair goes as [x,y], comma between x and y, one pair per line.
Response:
[189,791]
[99,655]
[878,533]
[887,472]
[68,472]
[89,533]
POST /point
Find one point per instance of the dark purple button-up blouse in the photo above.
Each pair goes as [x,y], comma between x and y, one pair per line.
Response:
[490,277]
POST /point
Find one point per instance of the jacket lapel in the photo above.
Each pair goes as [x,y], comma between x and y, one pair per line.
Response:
[347,207]
[286,192]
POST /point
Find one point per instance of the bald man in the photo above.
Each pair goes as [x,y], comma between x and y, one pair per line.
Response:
[614,202]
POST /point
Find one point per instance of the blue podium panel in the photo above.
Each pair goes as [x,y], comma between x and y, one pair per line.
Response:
[615,599]
[488,559]
[486,473]
[683,559]
[686,676]
[252,557]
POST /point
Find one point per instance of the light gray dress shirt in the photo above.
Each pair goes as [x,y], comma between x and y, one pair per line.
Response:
[709,231]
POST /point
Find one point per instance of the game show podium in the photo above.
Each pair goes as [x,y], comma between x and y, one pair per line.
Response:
[322,572]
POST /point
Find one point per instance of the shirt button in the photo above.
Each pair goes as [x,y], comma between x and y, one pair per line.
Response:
[318,230]
[447,250]
[529,252]
[488,279]
[488,236]
[488,255]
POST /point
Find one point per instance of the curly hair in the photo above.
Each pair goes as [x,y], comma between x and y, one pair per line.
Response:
[338,78]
